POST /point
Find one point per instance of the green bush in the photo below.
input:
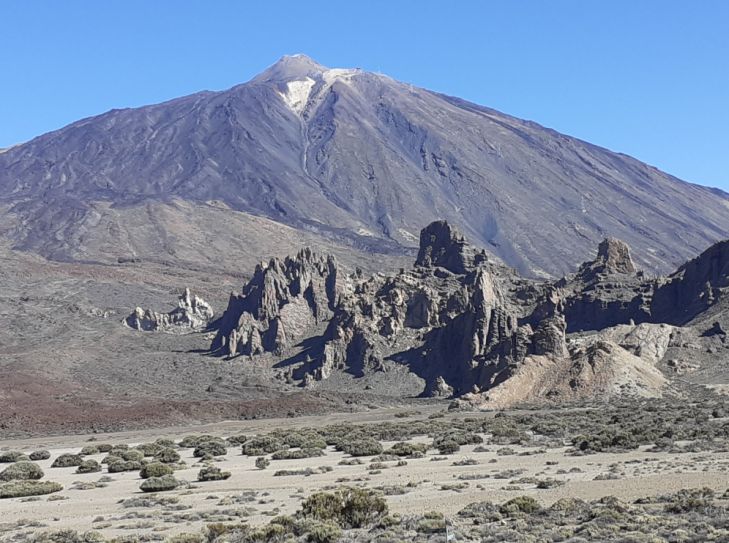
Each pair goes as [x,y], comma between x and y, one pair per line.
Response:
[296,454]
[520,504]
[448,447]
[210,448]
[21,471]
[88,466]
[67,461]
[262,462]
[131,455]
[148,449]
[407,449]
[111,459]
[155,469]
[212,473]
[190,442]
[167,456]
[159,484]
[21,489]
[40,455]
[260,445]
[120,466]
[88,450]
[361,447]
[348,507]
[319,532]
[12,456]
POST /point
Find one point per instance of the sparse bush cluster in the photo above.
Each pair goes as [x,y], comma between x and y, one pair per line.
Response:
[21,471]
[22,489]
[212,473]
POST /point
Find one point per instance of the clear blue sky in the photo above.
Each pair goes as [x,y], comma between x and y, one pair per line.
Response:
[649,78]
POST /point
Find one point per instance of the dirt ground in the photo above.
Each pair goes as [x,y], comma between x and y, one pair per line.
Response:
[431,483]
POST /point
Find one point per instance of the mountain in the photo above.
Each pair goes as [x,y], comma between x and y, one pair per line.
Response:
[344,157]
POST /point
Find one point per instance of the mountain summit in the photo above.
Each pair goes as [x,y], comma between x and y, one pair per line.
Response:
[343,157]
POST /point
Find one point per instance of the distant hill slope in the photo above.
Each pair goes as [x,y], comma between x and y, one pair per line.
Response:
[349,156]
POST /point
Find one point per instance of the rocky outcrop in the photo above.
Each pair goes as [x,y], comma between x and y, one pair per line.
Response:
[472,328]
[694,287]
[444,246]
[192,313]
[284,302]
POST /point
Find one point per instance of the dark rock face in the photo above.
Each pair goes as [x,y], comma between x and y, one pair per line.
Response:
[443,246]
[283,302]
[694,287]
[470,326]
[355,157]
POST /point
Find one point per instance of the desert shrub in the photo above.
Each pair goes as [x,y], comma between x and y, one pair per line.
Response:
[167,456]
[104,447]
[520,504]
[148,449]
[12,456]
[21,489]
[505,451]
[88,450]
[296,454]
[190,442]
[131,455]
[67,536]
[159,484]
[40,455]
[185,538]
[466,462]
[236,441]
[350,462]
[155,469]
[543,484]
[262,462]
[21,471]
[111,458]
[67,461]
[385,458]
[303,439]
[403,448]
[314,531]
[348,507]
[432,522]
[260,445]
[306,472]
[689,500]
[361,447]
[88,466]
[447,447]
[121,465]
[209,448]
[212,473]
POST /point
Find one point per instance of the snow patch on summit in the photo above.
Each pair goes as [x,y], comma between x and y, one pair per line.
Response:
[297,94]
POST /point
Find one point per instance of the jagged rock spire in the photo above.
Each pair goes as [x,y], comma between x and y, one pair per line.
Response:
[442,245]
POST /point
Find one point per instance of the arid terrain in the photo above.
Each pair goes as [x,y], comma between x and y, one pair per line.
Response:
[324,305]
[565,459]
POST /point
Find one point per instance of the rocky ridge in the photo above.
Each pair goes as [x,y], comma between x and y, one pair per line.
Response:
[472,328]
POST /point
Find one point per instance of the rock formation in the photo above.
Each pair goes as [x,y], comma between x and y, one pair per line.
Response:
[470,327]
[192,313]
[285,300]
